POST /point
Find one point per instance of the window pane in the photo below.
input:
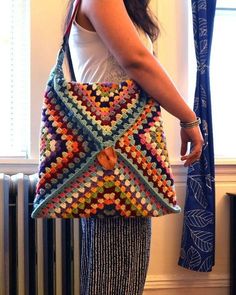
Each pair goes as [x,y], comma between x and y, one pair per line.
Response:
[15,78]
[222,73]
[223,65]
[226,3]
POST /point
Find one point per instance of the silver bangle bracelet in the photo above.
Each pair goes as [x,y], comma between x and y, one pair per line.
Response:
[190,124]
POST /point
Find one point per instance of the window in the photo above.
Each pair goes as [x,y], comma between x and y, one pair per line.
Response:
[15,78]
[223,83]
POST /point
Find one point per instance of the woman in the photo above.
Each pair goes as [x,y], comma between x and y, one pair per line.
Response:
[111,40]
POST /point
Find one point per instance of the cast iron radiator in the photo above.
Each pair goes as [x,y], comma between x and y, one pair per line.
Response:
[37,256]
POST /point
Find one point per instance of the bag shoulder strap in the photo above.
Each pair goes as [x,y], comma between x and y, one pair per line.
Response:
[68,29]
[65,46]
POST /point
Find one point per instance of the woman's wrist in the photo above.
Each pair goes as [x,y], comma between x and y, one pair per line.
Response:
[188,116]
[191,124]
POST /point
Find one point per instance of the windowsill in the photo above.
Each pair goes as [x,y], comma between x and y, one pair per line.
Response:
[226,161]
[225,168]
[16,165]
[218,162]
[17,161]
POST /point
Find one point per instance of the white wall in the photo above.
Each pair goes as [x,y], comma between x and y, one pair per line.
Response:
[46,29]
[165,277]
[171,48]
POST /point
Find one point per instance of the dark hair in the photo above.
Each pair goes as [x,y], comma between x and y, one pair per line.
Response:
[139,13]
[142,16]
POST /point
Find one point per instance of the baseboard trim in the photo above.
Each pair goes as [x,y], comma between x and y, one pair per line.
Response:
[156,282]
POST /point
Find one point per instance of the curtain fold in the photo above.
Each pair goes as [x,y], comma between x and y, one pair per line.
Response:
[198,237]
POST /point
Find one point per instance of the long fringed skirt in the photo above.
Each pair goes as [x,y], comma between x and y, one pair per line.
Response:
[114,255]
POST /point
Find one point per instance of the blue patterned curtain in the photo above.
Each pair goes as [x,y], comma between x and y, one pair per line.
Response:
[198,237]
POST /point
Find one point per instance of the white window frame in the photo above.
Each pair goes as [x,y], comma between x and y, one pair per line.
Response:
[192,80]
[172,47]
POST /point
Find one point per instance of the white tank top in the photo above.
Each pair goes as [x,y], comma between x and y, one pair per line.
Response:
[92,61]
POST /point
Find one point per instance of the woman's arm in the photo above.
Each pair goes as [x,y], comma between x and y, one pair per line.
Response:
[112,23]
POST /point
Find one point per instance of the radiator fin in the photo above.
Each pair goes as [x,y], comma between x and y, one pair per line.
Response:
[37,256]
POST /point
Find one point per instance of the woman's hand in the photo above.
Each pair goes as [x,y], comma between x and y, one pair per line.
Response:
[194,136]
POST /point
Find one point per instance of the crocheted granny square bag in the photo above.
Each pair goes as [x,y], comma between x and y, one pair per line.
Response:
[103,151]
